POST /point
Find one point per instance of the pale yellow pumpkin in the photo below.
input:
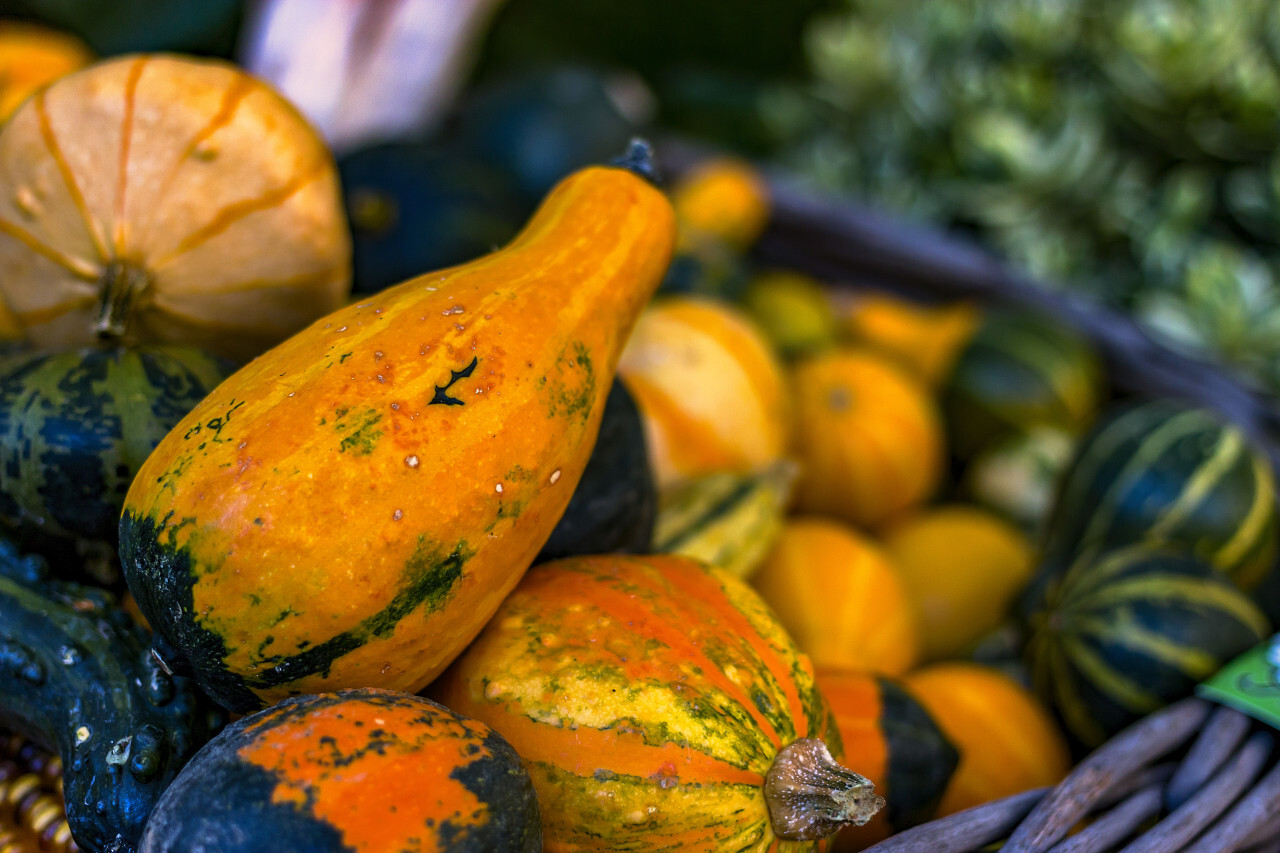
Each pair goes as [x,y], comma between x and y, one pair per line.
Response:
[158,198]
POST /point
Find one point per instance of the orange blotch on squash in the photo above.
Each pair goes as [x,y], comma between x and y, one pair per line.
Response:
[709,387]
[1008,741]
[840,598]
[867,435]
[963,567]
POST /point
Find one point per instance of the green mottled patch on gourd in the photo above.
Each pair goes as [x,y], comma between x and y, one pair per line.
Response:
[570,390]
[360,433]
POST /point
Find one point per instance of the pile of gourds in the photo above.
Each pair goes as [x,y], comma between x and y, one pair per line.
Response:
[291,570]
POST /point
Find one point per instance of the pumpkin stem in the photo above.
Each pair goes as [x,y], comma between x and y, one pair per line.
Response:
[122,284]
[810,796]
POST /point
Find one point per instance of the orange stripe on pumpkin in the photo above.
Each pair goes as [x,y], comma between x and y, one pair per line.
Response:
[68,177]
[126,141]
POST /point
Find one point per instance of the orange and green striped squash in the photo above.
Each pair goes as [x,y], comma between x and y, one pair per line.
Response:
[159,199]
[32,56]
[356,770]
[349,508]
[659,706]
[867,435]
[892,740]
[841,598]
[710,388]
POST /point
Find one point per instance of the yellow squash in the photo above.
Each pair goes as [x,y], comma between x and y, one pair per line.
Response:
[163,199]
[349,508]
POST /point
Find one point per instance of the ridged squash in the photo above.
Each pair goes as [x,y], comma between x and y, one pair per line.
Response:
[350,507]
[367,770]
[659,706]
[167,200]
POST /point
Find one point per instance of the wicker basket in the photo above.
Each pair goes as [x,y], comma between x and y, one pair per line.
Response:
[1158,786]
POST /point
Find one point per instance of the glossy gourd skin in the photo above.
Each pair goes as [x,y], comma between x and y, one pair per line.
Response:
[75,427]
[616,501]
[164,199]
[349,508]
[76,676]
[367,770]
[1123,633]
[649,697]
[1167,474]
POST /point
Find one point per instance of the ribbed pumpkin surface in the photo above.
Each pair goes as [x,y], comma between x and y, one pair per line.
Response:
[356,770]
[189,186]
[1164,473]
[1123,634]
[648,696]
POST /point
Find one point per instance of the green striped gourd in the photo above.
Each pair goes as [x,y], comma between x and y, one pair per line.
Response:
[1125,632]
[1019,371]
[726,519]
[76,425]
[1162,473]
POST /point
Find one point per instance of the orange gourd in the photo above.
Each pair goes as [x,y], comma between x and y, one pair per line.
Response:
[925,338]
[349,508]
[164,199]
[709,387]
[839,597]
[1008,741]
[723,199]
[867,435]
[32,56]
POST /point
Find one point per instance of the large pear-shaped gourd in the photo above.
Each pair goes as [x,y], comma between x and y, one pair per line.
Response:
[350,508]
[162,199]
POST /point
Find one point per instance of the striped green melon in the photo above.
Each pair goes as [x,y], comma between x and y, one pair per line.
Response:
[75,426]
[726,519]
[1125,632]
[1019,371]
[1163,473]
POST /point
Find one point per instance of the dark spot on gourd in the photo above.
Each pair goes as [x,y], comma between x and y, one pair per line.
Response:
[442,396]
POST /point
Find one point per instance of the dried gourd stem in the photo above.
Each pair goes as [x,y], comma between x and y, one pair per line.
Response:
[1220,737]
[1075,797]
[810,796]
[966,830]
[123,286]
[1258,807]
[1116,825]
[1189,819]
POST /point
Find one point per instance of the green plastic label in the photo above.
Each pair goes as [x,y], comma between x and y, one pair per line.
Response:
[1250,683]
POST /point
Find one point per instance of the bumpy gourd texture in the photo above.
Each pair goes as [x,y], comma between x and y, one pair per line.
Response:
[191,171]
[648,697]
[350,508]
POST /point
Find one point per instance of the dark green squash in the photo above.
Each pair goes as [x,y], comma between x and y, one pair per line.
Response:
[1166,474]
[1020,370]
[614,507]
[74,428]
[1123,633]
[357,769]
[415,207]
[77,678]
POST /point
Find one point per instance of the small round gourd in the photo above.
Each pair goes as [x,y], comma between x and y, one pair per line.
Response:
[361,769]
[1008,741]
[710,388]
[840,597]
[867,436]
[32,56]
[926,338]
[962,568]
[724,199]
[164,199]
